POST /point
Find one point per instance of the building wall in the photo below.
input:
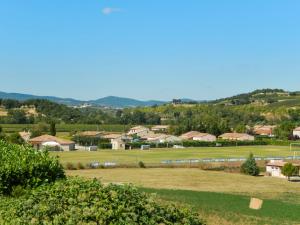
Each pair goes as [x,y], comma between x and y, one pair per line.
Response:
[275,171]
[296,133]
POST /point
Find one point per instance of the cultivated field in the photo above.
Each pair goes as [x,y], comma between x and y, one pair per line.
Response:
[9,128]
[221,198]
[157,155]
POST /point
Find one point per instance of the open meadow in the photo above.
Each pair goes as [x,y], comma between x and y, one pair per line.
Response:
[158,155]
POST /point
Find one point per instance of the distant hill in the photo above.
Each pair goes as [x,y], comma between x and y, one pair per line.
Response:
[110,101]
[118,102]
[270,97]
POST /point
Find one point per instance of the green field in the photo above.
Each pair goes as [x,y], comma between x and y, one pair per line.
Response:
[157,155]
[220,208]
[9,128]
[220,198]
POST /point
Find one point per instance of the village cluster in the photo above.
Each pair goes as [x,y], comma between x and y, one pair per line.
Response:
[155,134]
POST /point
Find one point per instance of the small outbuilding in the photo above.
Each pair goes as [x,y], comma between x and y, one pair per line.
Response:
[296,132]
[274,168]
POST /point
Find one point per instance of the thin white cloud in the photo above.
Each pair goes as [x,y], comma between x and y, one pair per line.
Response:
[109,10]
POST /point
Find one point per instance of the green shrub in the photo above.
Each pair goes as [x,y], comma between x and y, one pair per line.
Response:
[80,166]
[70,166]
[26,167]
[289,170]
[142,164]
[79,201]
[250,167]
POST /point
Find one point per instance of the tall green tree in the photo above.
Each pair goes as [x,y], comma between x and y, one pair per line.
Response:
[250,167]
[289,170]
[53,128]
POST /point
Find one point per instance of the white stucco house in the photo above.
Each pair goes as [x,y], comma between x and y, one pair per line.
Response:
[296,132]
[52,142]
[274,168]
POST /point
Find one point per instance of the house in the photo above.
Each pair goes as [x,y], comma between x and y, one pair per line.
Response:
[274,168]
[114,136]
[91,134]
[25,135]
[52,141]
[171,139]
[264,130]
[138,130]
[198,136]
[237,137]
[118,144]
[160,128]
[296,132]
[152,137]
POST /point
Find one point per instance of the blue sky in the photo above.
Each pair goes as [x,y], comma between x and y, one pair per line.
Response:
[200,49]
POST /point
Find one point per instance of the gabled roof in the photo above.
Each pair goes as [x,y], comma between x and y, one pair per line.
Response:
[48,138]
[235,135]
[193,134]
[279,163]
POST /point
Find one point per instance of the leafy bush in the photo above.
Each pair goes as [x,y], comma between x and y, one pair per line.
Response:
[80,166]
[26,167]
[289,170]
[70,166]
[142,164]
[250,167]
[78,201]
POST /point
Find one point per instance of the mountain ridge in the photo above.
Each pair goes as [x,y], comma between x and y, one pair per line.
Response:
[108,101]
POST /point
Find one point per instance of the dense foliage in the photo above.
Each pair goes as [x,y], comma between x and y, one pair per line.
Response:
[250,167]
[24,166]
[78,201]
[289,170]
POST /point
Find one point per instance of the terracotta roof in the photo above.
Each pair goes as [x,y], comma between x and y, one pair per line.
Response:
[279,163]
[47,138]
[264,129]
[234,135]
[193,134]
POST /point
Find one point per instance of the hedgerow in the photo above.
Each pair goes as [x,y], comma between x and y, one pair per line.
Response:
[78,201]
[26,167]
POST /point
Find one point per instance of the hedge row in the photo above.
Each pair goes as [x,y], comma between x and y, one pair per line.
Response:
[26,167]
[136,145]
[79,201]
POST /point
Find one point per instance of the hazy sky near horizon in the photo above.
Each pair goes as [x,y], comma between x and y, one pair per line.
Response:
[148,49]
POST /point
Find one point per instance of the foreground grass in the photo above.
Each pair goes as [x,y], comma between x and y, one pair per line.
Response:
[220,208]
[157,155]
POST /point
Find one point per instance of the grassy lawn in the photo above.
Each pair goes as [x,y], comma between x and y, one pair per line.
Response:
[9,128]
[157,155]
[220,208]
[220,198]
[198,180]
